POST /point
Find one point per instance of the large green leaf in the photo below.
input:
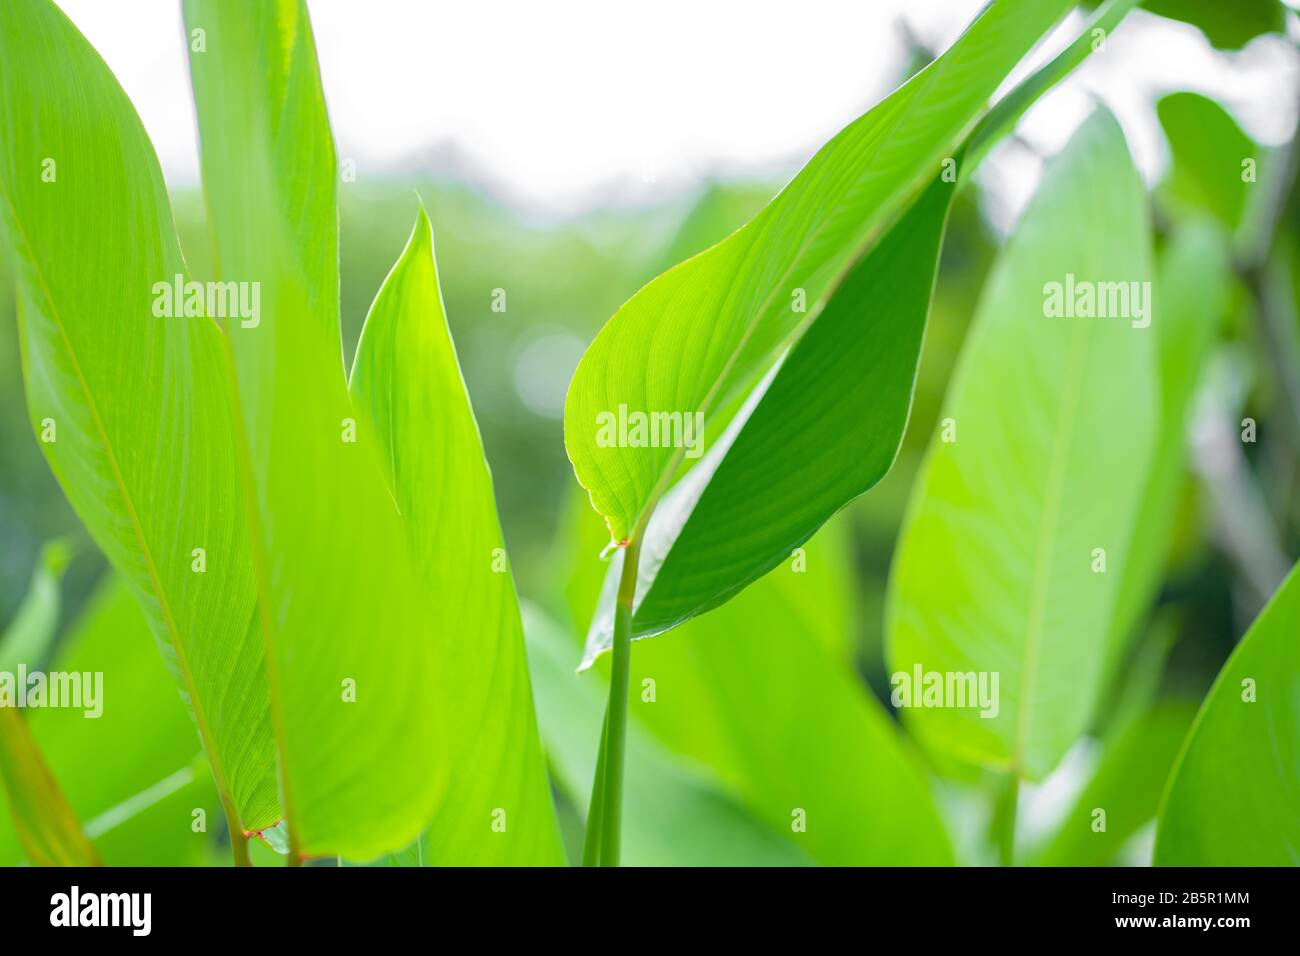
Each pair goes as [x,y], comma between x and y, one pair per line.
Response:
[44,823]
[1052,423]
[363,736]
[407,380]
[1208,150]
[132,409]
[699,334]
[142,740]
[1234,796]
[1229,26]
[676,815]
[824,430]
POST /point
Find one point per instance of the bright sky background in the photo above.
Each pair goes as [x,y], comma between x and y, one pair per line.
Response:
[571,103]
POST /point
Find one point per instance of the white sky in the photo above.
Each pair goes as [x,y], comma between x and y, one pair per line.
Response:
[568,103]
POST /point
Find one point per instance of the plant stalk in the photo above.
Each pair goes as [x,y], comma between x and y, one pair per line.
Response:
[238,838]
[595,808]
[610,770]
[1005,821]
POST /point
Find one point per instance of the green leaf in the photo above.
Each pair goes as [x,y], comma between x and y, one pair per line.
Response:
[1233,796]
[1127,785]
[675,815]
[825,429]
[1228,26]
[364,739]
[407,380]
[28,638]
[132,409]
[697,336]
[44,823]
[1193,282]
[1053,420]
[1209,150]
[143,737]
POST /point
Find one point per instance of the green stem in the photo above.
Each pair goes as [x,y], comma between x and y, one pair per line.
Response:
[616,716]
[595,809]
[1006,821]
[238,838]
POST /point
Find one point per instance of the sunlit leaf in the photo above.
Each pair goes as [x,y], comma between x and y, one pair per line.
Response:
[131,407]
[824,430]
[364,742]
[1017,535]
[407,380]
[691,339]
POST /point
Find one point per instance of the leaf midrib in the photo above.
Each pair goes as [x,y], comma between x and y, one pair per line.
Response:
[1051,511]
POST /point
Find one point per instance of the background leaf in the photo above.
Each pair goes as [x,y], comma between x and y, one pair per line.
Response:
[1127,785]
[44,824]
[143,739]
[762,692]
[1208,149]
[1054,420]
[1233,795]
[1229,26]
[675,815]
[1192,290]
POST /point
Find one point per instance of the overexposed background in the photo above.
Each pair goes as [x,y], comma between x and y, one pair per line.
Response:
[564,106]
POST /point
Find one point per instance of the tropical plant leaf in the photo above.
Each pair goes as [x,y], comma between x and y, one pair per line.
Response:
[1051,423]
[675,816]
[28,637]
[142,738]
[825,429]
[1233,795]
[1229,26]
[125,401]
[1127,785]
[1211,158]
[407,380]
[45,825]
[703,331]
[364,743]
